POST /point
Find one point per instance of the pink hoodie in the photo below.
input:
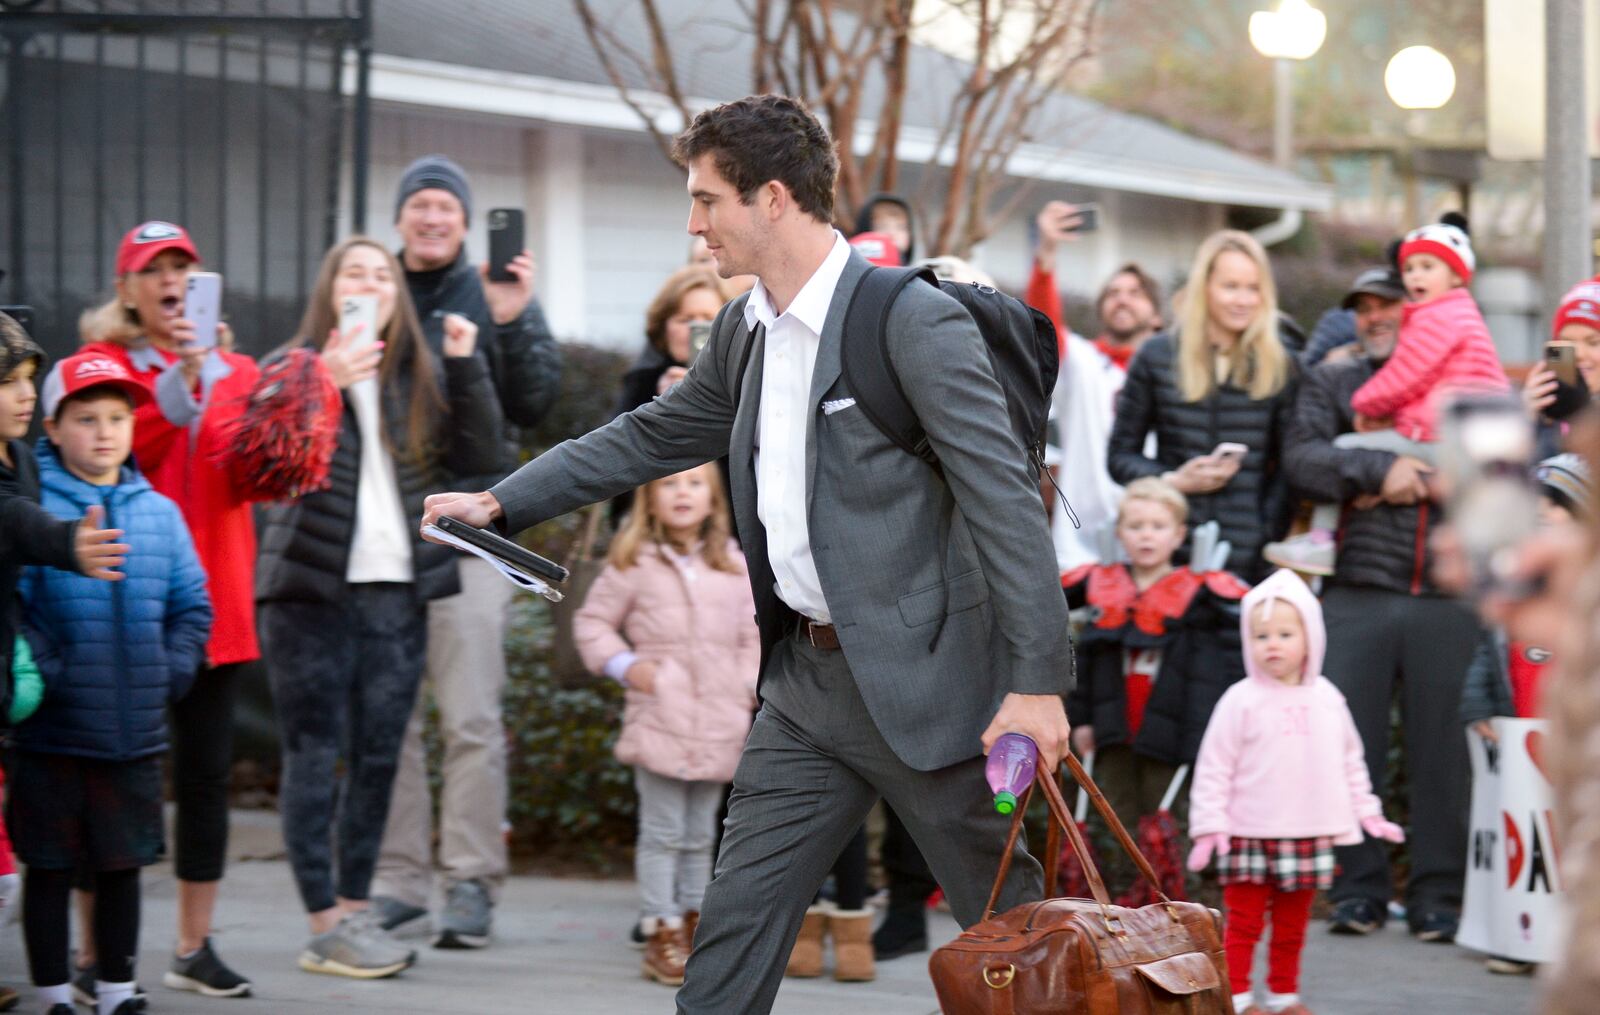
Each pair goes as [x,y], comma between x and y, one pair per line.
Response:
[1282,761]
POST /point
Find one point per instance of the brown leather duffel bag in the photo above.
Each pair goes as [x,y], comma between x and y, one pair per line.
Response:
[1084,956]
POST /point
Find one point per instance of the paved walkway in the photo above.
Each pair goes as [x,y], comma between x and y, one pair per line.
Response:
[561,948]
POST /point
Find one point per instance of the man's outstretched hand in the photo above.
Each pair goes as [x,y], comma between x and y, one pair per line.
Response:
[476,509]
[1040,717]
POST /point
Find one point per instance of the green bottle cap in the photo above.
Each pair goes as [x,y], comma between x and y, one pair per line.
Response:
[1005,802]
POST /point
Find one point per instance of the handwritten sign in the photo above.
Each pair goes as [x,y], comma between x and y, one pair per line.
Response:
[1514,901]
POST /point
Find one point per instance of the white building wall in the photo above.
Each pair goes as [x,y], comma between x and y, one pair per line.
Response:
[606,215]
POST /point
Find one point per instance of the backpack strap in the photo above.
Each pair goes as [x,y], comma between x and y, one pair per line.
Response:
[865,362]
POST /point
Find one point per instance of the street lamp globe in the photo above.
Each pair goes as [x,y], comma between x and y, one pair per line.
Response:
[1420,77]
[1292,32]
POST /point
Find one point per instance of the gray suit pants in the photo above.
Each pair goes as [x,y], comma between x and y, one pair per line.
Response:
[814,765]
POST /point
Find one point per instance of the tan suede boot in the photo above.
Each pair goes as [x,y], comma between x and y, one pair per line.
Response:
[851,930]
[664,953]
[806,959]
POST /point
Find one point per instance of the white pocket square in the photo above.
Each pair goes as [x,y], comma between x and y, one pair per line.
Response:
[829,408]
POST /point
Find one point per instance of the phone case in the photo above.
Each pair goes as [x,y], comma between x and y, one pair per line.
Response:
[505,242]
[202,306]
[512,553]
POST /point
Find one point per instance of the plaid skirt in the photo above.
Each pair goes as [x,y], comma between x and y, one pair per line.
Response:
[1289,865]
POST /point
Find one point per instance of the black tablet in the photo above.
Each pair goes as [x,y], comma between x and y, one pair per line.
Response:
[517,556]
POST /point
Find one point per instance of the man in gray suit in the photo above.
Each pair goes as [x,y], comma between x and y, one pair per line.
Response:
[907,619]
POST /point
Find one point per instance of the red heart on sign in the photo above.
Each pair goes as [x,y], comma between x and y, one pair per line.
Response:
[1535,745]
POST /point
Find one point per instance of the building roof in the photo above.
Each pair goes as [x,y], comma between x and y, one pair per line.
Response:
[534,60]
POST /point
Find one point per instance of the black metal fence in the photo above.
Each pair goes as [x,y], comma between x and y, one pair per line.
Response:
[227,116]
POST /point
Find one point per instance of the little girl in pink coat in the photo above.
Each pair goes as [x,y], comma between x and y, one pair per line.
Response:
[672,619]
[1280,780]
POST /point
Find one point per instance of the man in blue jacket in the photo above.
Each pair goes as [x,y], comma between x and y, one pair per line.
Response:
[85,782]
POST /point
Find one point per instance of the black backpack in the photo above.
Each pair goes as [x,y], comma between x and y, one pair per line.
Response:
[1022,350]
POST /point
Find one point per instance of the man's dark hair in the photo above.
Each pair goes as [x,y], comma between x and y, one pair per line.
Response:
[1152,288]
[766,137]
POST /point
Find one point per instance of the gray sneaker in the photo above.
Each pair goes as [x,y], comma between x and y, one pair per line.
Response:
[465,920]
[357,948]
[393,913]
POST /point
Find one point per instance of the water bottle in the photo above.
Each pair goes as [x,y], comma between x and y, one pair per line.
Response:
[1010,768]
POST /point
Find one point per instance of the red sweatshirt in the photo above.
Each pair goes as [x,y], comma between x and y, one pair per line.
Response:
[180,462]
[1444,348]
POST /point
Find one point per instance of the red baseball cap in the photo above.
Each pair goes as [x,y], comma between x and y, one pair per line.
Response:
[143,242]
[89,370]
[878,249]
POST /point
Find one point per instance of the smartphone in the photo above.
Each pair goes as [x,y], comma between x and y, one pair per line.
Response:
[1086,219]
[1486,448]
[202,306]
[358,319]
[1562,359]
[505,242]
[699,335]
[1229,451]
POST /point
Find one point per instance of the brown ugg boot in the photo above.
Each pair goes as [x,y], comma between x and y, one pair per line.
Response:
[851,930]
[806,959]
[664,953]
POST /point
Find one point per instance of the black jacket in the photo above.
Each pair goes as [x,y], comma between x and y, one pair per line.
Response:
[864,221]
[523,357]
[305,543]
[1253,508]
[1385,547]
[1486,691]
[28,535]
[1201,658]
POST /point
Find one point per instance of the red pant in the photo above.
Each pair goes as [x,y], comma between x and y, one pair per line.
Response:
[1245,906]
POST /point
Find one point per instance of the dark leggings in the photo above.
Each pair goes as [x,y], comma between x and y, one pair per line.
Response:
[202,759]
[45,921]
[344,679]
[850,873]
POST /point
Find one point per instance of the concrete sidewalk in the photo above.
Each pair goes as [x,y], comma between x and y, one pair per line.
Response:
[560,947]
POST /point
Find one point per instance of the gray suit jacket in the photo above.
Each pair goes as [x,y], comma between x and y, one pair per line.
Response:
[893,543]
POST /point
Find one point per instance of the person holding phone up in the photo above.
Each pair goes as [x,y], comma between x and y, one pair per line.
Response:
[466,669]
[1565,380]
[181,443]
[1216,392]
[344,582]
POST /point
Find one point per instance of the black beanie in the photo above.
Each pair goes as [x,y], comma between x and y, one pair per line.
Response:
[434,172]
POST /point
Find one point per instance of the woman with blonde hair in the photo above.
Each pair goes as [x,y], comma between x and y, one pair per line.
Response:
[1216,392]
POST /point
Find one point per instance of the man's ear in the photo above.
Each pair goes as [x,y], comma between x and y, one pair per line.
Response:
[775,199]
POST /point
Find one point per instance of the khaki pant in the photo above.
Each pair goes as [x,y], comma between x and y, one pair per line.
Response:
[466,674]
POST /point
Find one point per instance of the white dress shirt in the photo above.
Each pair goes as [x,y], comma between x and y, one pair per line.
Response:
[785,410]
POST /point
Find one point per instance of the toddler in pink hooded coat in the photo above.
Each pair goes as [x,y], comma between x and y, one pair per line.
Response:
[1281,779]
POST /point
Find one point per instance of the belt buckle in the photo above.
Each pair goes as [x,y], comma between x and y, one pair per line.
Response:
[811,633]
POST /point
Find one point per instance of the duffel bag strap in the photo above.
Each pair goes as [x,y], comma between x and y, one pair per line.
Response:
[1104,807]
[1059,819]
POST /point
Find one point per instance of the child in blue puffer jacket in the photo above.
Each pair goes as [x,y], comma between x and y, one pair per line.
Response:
[86,776]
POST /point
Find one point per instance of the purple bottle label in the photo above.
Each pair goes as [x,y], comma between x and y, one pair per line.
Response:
[1010,768]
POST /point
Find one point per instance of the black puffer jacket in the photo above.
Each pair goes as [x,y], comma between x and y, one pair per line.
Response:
[305,543]
[523,357]
[28,535]
[1200,650]
[1385,547]
[1253,508]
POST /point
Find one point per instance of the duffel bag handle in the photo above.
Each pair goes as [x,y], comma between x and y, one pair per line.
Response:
[1061,816]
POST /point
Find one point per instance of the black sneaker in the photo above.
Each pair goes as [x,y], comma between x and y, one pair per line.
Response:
[83,990]
[61,1009]
[1436,927]
[1357,916]
[636,938]
[129,1007]
[904,931]
[204,973]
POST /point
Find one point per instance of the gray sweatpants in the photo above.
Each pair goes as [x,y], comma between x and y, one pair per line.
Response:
[672,859]
[814,765]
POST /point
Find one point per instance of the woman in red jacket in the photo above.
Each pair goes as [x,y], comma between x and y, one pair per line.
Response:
[178,440]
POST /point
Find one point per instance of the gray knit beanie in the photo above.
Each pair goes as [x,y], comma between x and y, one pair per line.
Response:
[434,172]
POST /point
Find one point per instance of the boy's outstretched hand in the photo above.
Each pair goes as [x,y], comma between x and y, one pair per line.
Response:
[97,549]
[1378,828]
[1204,847]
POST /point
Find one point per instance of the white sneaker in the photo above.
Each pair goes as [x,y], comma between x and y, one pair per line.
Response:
[1313,552]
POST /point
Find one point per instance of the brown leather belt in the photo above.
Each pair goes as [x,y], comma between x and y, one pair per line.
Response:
[820,636]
